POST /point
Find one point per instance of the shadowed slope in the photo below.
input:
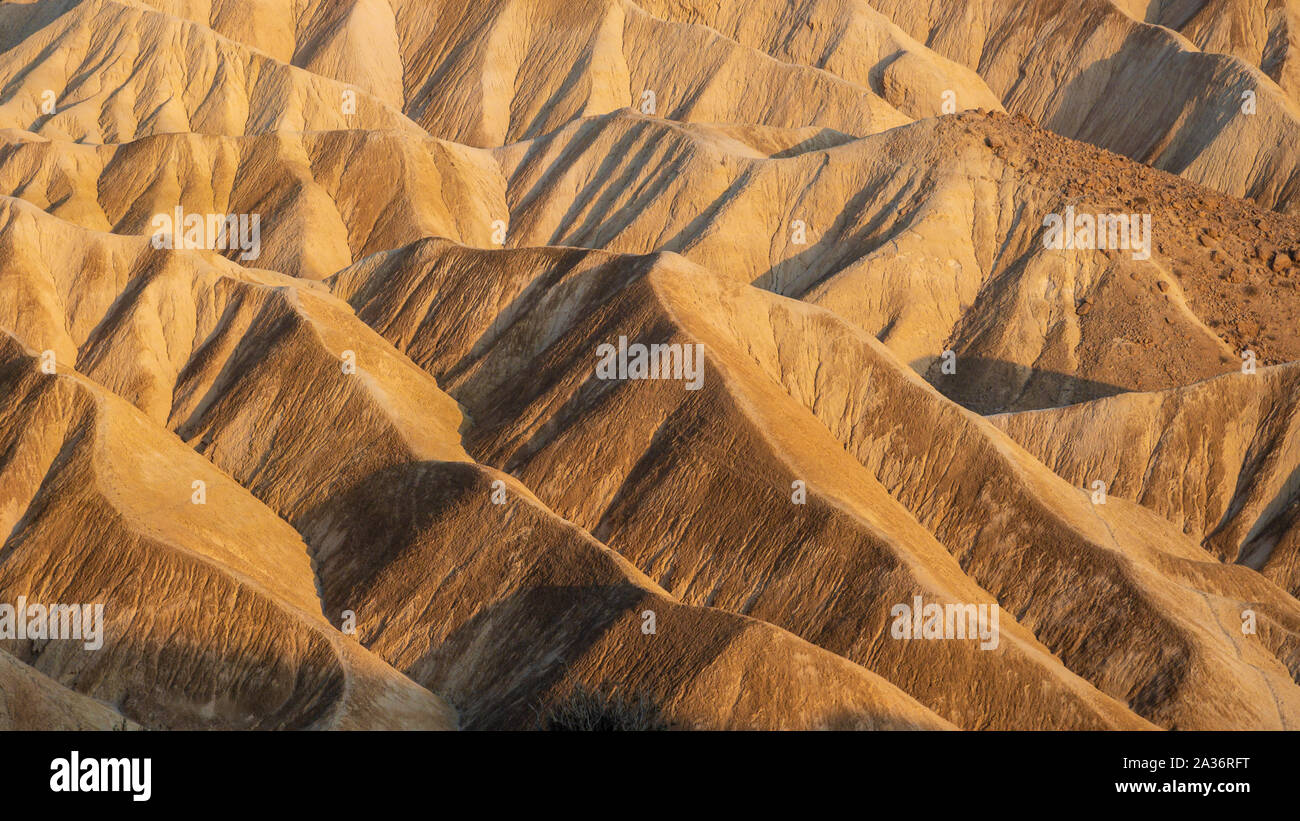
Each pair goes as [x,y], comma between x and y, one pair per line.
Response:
[210,618]
[31,701]
[258,385]
[1091,72]
[1218,459]
[116,71]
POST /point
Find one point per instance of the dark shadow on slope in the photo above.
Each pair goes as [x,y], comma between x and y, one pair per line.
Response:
[825,139]
[846,240]
[1114,105]
[537,591]
[1275,522]
[989,386]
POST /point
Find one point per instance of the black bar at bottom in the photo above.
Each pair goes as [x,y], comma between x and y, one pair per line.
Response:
[334,772]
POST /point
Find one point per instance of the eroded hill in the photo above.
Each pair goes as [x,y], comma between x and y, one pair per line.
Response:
[362,459]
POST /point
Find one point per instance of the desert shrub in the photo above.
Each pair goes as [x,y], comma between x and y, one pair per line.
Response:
[586,710]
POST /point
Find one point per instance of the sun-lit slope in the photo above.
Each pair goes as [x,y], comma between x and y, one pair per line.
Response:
[1044,554]
[322,199]
[354,41]
[847,38]
[931,237]
[464,581]
[422,441]
[115,71]
[501,71]
[32,701]
[1262,34]
[696,492]
[1091,72]
[125,314]
[741,438]
[210,617]
[343,477]
[1219,459]
[197,340]
[491,73]
[191,337]
[345,456]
